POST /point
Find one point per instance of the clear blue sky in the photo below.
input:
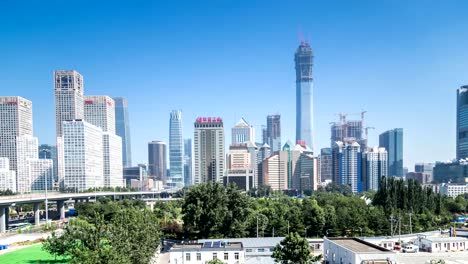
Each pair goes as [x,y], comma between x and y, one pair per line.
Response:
[402,61]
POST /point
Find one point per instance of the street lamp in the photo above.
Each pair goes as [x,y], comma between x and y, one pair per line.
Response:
[46,188]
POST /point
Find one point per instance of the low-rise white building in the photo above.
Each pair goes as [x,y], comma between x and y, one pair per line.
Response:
[354,251]
[227,252]
[452,189]
[443,244]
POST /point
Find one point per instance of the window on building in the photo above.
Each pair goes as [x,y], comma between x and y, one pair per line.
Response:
[198,256]
[215,255]
[236,255]
[261,250]
[187,256]
[248,250]
[226,256]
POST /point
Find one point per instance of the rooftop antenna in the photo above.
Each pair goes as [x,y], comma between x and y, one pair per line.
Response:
[300,35]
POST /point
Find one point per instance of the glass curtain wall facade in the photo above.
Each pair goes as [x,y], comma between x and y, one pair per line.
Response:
[176,151]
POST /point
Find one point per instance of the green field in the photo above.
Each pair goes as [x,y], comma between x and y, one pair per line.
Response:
[30,255]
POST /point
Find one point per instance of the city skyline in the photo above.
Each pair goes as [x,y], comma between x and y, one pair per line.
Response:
[403,66]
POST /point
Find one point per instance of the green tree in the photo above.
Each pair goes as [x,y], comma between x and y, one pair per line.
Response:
[314,217]
[57,245]
[215,261]
[293,249]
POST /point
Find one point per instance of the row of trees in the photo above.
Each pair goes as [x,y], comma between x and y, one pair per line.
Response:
[211,210]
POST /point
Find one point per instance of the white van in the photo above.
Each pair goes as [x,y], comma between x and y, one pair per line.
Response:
[410,249]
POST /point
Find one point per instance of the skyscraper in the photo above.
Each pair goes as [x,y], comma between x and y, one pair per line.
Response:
[122,128]
[157,160]
[39,170]
[347,164]
[16,119]
[176,151]
[274,132]
[462,122]
[242,165]
[26,150]
[68,97]
[188,162]
[208,148]
[374,167]
[7,176]
[392,141]
[425,168]
[47,151]
[303,59]
[83,154]
[112,160]
[99,110]
[325,164]
[242,132]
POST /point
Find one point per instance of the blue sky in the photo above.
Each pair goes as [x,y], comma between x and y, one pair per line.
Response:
[402,61]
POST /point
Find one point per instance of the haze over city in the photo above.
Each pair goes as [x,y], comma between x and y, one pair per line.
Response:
[400,61]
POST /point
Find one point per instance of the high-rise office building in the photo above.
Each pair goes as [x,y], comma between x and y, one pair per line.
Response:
[112,160]
[347,129]
[122,128]
[208,150]
[188,162]
[374,167]
[325,164]
[176,151]
[7,176]
[303,59]
[263,152]
[242,165]
[242,132]
[346,160]
[99,110]
[47,151]
[392,141]
[41,174]
[462,122]
[27,147]
[16,119]
[68,97]
[157,160]
[274,132]
[82,156]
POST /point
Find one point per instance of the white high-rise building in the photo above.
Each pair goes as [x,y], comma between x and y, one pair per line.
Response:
[27,147]
[40,172]
[112,151]
[99,110]
[347,159]
[16,119]
[69,105]
[7,176]
[242,132]
[82,155]
[208,148]
[375,167]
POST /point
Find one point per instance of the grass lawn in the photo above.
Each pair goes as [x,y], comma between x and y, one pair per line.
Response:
[30,255]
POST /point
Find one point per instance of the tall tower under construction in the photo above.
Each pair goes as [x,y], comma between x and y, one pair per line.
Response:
[304,94]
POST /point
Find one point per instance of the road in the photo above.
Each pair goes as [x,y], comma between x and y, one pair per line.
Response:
[424,257]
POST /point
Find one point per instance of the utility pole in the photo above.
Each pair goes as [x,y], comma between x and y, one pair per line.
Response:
[391,225]
[257,226]
[46,187]
[399,226]
[288,227]
[410,226]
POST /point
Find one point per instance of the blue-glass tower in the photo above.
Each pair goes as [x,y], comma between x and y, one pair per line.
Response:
[304,94]
[176,151]
[392,141]
[122,129]
[462,122]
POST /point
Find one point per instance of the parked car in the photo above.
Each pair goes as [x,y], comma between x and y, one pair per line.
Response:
[410,249]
